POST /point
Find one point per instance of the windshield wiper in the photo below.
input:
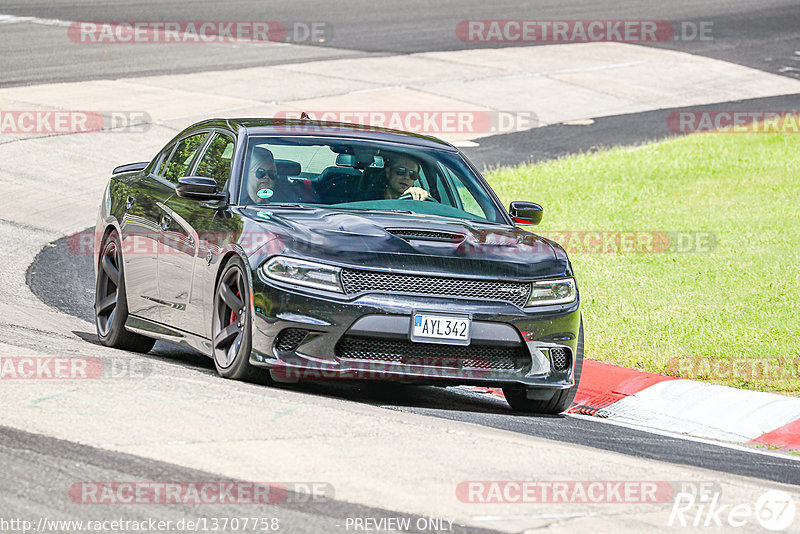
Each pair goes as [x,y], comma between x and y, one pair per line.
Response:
[408,212]
[287,205]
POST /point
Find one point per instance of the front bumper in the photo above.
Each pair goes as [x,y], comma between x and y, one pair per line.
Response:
[304,334]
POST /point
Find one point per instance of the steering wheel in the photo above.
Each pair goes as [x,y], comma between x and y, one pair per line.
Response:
[408,196]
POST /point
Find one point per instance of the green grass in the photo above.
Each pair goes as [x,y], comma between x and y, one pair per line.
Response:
[675,312]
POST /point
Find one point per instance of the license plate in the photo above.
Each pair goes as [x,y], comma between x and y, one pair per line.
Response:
[436,328]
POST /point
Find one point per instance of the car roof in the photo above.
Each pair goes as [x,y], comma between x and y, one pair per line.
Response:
[293,127]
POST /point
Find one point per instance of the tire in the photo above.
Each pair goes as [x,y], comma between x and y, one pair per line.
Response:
[231,329]
[561,401]
[111,302]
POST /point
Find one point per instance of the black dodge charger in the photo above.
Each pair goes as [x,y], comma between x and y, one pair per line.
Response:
[333,251]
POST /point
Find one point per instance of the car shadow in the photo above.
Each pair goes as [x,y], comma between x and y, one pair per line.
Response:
[418,398]
[404,397]
[162,351]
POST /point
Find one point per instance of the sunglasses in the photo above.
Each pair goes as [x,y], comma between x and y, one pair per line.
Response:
[262,172]
[402,171]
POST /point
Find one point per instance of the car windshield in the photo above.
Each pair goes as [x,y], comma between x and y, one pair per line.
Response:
[359,175]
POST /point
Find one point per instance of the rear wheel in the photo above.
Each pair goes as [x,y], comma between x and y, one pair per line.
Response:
[111,303]
[232,327]
[517,397]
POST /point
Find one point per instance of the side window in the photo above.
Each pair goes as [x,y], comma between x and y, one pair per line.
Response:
[216,162]
[465,198]
[161,162]
[182,157]
[470,205]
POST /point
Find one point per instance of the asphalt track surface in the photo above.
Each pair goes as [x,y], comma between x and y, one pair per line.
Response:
[65,281]
[764,35]
[42,470]
[559,140]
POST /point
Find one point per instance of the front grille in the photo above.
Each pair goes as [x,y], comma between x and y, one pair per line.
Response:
[427,234]
[355,281]
[559,359]
[432,354]
[290,338]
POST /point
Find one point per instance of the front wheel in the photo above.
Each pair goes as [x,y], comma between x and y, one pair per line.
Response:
[232,327]
[111,303]
[518,399]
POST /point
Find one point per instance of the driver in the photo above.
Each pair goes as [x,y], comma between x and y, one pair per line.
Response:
[401,173]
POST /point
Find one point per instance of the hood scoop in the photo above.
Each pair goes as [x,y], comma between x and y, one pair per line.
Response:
[426,235]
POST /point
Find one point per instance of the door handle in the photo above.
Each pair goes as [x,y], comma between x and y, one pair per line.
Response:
[129,202]
[166,220]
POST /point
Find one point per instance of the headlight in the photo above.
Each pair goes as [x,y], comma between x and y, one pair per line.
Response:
[304,273]
[553,292]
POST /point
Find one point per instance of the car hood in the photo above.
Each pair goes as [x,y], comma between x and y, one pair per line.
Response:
[405,242]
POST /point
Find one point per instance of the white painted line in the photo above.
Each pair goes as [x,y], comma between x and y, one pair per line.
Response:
[205,113]
[12,19]
[659,432]
[706,410]
[723,444]
[518,76]
[531,516]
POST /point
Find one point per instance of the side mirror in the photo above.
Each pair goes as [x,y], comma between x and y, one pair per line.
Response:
[525,212]
[198,188]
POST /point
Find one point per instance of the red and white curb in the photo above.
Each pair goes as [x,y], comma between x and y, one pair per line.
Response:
[687,407]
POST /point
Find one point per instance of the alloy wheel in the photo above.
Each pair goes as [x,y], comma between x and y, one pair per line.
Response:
[230,317]
[107,296]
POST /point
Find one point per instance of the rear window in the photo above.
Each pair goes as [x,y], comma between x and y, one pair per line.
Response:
[216,161]
[182,157]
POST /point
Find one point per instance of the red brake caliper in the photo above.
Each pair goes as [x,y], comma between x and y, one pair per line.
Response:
[233,313]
